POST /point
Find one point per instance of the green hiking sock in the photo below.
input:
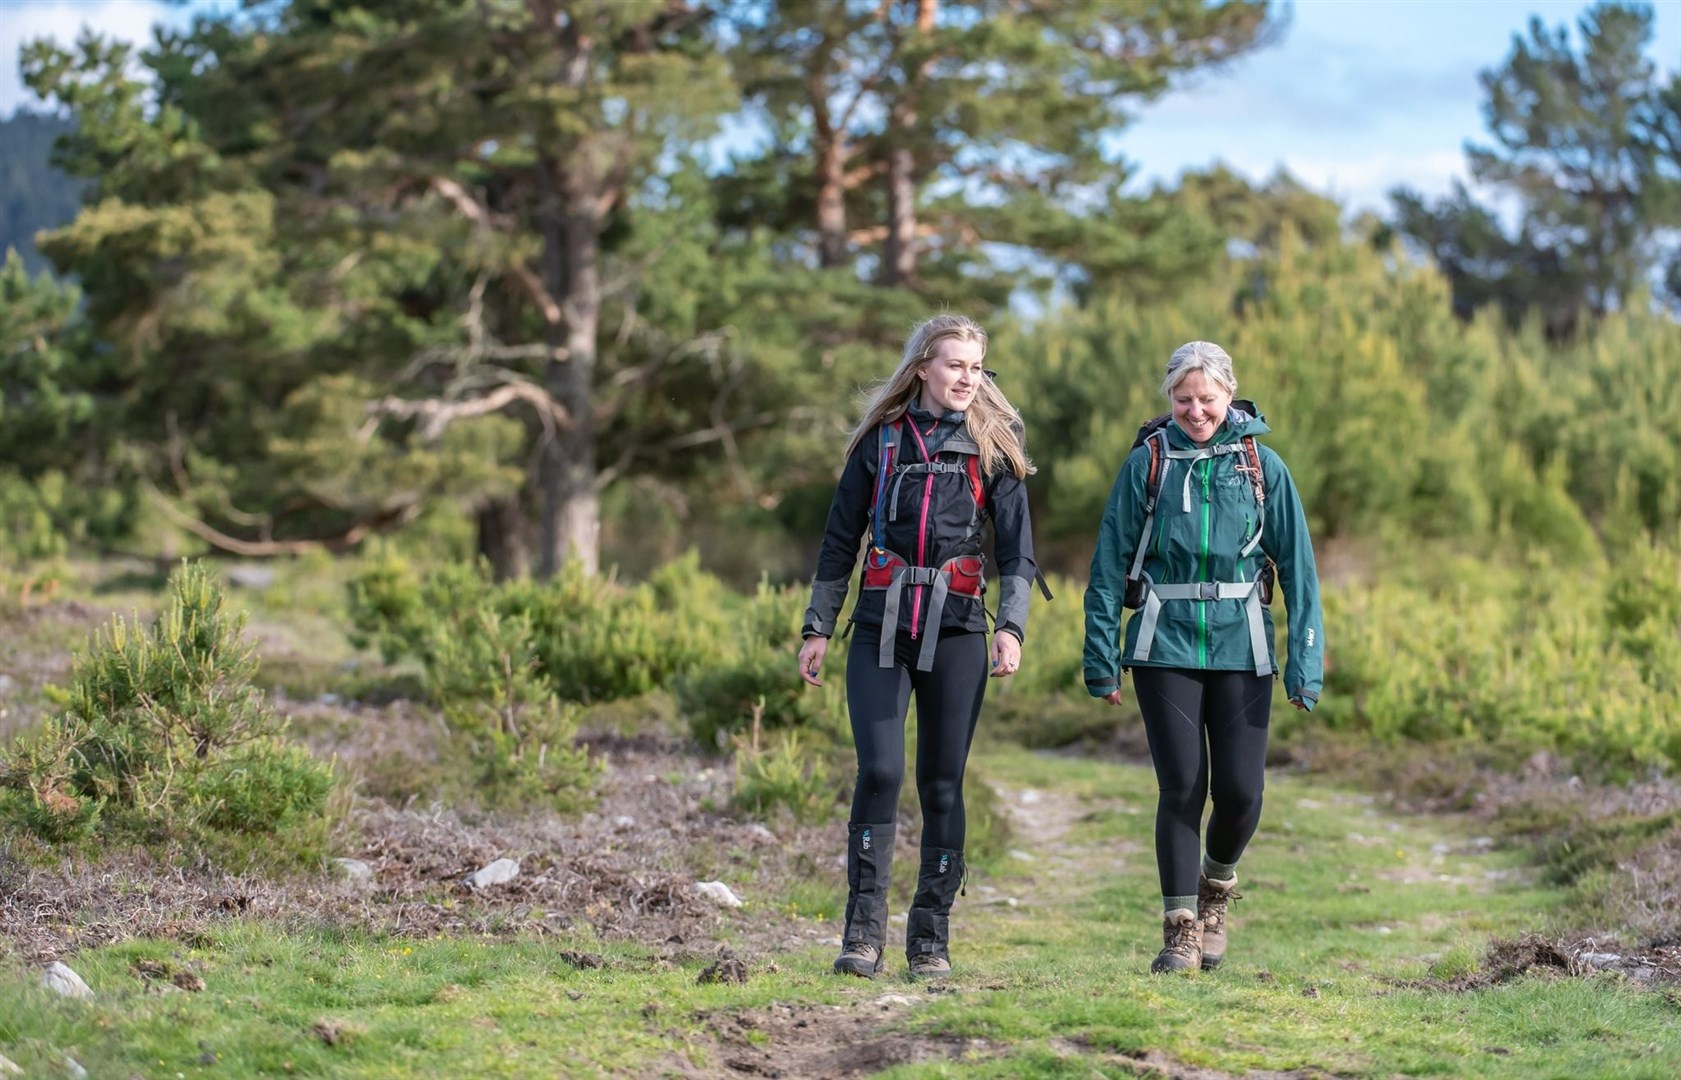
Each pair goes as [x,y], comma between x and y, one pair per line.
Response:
[1178,903]
[1218,871]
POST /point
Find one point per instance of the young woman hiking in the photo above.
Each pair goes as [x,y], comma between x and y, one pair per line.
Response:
[938,453]
[1200,520]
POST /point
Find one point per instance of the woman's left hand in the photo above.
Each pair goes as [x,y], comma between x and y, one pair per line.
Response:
[1006,654]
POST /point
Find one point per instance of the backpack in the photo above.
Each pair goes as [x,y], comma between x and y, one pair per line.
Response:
[1153,434]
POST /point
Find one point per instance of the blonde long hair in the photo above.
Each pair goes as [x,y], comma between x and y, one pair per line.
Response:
[993,422]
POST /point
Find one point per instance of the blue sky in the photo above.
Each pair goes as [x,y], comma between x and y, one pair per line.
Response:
[1361,95]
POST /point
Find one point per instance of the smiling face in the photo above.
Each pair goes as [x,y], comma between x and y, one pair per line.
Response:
[952,378]
[1199,406]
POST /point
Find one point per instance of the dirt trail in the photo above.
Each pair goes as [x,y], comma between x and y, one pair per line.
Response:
[861,1037]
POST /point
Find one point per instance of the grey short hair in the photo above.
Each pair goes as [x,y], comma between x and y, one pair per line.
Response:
[1203,356]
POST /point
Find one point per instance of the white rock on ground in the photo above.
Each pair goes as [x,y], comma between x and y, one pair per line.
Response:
[355,869]
[9,1067]
[74,1068]
[718,893]
[60,979]
[493,874]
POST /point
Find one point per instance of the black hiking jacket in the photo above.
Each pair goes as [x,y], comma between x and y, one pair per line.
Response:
[927,520]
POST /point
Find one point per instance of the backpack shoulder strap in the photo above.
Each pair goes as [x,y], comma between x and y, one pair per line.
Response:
[887,458]
[1252,468]
[1156,441]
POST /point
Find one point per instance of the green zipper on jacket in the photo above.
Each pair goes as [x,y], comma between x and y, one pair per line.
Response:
[1202,570]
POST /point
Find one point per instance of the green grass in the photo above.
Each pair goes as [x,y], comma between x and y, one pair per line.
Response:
[1344,907]
[458,1007]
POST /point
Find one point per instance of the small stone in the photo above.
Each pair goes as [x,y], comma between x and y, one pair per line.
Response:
[9,1067]
[1602,961]
[495,873]
[758,832]
[74,1068]
[1017,853]
[328,699]
[900,919]
[718,893]
[1030,796]
[624,821]
[60,979]
[354,869]
[889,1000]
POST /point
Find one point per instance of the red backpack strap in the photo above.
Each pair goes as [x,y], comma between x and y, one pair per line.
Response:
[976,488]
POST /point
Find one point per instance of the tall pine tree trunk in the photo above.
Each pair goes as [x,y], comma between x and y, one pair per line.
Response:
[898,257]
[831,174]
[503,540]
[571,229]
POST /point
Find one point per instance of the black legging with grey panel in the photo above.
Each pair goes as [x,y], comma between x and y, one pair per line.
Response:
[1208,736]
[948,703]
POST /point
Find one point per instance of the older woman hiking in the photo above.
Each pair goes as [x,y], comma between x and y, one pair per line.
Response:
[938,453]
[1200,520]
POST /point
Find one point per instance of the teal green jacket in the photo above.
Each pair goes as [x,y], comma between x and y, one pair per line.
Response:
[1205,515]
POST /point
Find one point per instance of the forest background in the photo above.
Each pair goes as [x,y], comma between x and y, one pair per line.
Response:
[498,359]
[466,282]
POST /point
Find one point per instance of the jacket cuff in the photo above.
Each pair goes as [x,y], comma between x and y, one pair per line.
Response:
[1102,687]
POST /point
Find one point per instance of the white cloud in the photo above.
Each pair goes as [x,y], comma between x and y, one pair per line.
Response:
[1364,182]
[62,21]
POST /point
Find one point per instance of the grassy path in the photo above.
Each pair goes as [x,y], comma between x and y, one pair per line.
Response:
[1344,908]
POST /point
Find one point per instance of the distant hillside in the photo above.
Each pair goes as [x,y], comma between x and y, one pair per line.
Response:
[33,194]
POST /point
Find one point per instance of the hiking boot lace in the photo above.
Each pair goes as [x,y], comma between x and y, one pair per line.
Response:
[1211,905]
[861,950]
[1184,940]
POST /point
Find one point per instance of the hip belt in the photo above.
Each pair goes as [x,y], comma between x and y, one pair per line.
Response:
[888,571]
[1247,591]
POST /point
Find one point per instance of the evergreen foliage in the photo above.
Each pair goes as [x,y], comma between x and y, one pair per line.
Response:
[163,738]
[1584,142]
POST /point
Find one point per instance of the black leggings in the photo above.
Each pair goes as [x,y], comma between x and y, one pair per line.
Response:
[948,703]
[1208,735]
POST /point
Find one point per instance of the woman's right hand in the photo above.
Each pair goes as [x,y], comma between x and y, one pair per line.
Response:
[816,647]
[1113,697]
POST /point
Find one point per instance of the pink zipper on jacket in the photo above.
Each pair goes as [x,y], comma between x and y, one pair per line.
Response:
[922,529]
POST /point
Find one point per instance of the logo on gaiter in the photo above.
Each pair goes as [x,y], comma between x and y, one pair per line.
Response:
[864,840]
[945,863]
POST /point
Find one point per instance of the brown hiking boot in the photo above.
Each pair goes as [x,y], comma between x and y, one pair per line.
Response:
[1212,898]
[1181,943]
[859,958]
[930,966]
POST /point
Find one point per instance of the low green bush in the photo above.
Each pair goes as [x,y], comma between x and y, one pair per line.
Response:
[162,738]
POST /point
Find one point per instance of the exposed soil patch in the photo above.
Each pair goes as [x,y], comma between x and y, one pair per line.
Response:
[1534,955]
[627,870]
[792,1040]
[1158,1066]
